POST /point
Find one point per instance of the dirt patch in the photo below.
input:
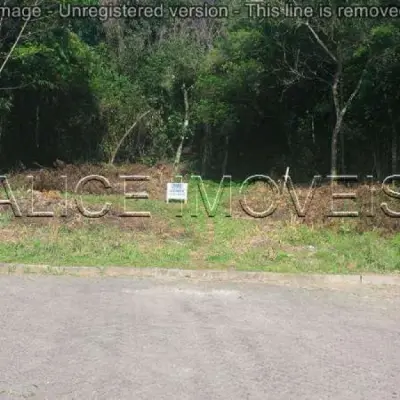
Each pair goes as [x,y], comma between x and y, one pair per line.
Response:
[49,186]
[320,206]
[68,176]
[9,236]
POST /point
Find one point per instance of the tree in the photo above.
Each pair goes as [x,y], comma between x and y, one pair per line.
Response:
[343,49]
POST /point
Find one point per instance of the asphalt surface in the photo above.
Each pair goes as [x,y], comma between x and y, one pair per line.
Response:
[80,338]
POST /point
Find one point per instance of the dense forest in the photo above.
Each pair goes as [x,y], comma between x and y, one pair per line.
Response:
[239,94]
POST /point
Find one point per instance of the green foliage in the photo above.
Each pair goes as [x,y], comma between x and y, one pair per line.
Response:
[266,84]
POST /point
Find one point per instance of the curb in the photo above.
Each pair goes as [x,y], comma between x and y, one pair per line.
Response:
[203,275]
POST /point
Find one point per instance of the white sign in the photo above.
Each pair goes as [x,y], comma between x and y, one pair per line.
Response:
[177,191]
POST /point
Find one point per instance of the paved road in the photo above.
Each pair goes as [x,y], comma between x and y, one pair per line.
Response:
[77,338]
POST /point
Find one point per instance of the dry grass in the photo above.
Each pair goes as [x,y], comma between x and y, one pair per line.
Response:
[282,241]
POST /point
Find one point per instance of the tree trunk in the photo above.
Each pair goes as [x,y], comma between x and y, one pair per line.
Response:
[137,151]
[179,153]
[341,111]
[37,127]
[312,129]
[205,146]
[342,145]
[377,157]
[225,163]
[342,161]
[338,122]
[335,135]
[184,130]
[394,140]
[394,152]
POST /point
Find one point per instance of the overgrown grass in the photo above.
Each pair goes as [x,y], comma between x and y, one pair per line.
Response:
[169,240]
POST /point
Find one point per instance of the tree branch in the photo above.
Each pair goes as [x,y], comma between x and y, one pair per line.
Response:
[321,43]
[16,40]
[355,91]
[14,45]
[114,154]
[335,92]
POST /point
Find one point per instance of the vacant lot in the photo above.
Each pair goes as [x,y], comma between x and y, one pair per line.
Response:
[173,237]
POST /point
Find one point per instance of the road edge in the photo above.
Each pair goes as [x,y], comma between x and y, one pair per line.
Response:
[203,275]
